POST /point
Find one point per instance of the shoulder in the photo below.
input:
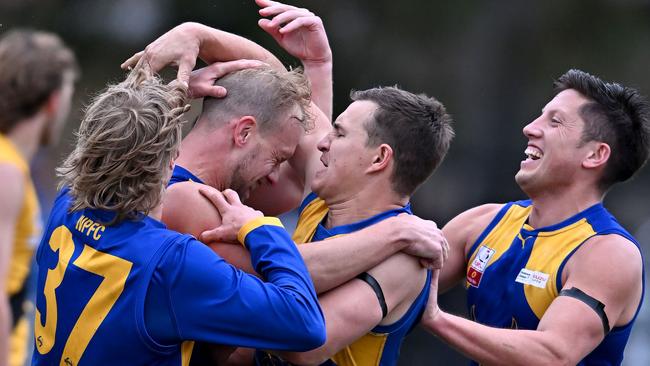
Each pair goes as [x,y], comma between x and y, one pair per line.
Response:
[464,229]
[13,186]
[186,210]
[483,213]
[612,255]
[610,269]
[402,279]
[401,273]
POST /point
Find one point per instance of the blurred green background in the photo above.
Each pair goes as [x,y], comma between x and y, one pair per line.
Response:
[491,62]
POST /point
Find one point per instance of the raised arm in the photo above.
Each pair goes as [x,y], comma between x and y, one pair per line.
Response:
[301,33]
[184,43]
[10,196]
[610,271]
[298,31]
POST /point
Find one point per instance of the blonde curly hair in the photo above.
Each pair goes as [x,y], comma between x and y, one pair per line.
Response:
[128,136]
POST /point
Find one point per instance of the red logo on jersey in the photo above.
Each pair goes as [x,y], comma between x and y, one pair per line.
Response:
[479,264]
[474,277]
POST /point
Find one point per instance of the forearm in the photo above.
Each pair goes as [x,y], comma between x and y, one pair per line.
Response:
[5,329]
[319,75]
[217,45]
[495,346]
[335,261]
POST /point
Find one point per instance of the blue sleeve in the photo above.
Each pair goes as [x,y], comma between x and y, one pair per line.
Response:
[210,300]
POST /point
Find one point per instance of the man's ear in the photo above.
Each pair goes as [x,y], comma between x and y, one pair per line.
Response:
[53,103]
[597,156]
[243,130]
[382,158]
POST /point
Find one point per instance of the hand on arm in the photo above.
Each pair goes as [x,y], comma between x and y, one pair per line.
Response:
[352,309]
[230,307]
[609,271]
[202,215]
[11,197]
[301,33]
[337,260]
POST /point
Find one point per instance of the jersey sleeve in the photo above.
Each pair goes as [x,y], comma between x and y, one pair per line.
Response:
[210,300]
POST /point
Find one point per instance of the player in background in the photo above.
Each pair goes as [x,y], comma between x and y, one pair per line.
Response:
[37,75]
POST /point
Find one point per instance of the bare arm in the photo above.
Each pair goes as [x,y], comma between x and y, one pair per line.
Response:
[184,43]
[297,30]
[461,233]
[337,260]
[178,216]
[301,33]
[331,262]
[11,197]
[610,271]
[352,309]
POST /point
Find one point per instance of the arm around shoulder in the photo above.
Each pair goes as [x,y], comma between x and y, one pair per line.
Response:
[353,309]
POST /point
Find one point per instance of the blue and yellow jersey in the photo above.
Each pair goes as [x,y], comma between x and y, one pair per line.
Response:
[27,233]
[514,271]
[382,344]
[135,293]
[180,174]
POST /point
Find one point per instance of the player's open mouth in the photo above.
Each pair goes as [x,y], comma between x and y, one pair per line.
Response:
[322,160]
[533,153]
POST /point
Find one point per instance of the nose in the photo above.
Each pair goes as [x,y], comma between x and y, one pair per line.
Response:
[324,143]
[274,176]
[533,128]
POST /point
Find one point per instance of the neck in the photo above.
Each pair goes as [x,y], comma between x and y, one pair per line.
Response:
[553,207]
[205,158]
[361,205]
[26,136]
[156,212]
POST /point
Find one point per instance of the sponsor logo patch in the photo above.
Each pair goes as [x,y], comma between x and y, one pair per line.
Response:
[533,278]
[479,264]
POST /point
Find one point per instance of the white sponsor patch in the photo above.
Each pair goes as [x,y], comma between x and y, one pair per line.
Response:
[482,258]
[533,278]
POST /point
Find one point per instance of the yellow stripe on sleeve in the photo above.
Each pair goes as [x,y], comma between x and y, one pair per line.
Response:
[254,224]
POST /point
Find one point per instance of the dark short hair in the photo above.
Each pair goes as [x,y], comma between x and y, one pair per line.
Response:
[32,66]
[616,115]
[415,126]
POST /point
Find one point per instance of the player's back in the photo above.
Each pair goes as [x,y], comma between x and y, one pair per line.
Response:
[92,283]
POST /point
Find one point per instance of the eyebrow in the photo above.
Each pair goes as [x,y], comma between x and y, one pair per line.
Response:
[337,126]
[554,111]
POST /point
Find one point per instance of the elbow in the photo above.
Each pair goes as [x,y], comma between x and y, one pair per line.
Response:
[305,358]
[313,332]
[311,336]
[555,357]
[315,336]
